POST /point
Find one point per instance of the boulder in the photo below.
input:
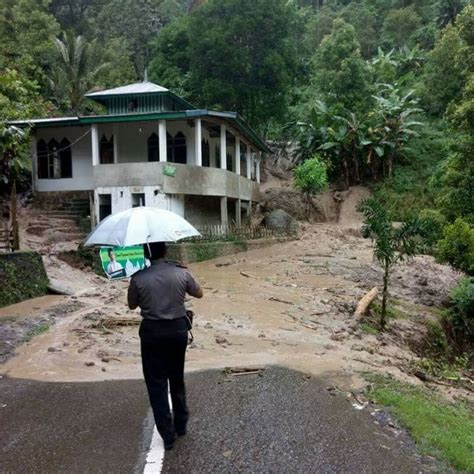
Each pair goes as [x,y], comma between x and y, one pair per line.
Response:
[321,208]
[280,220]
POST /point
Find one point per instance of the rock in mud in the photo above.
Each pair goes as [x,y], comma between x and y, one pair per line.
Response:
[221,340]
[280,220]
[89,364]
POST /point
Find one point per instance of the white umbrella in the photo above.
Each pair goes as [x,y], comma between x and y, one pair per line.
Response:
[140,225]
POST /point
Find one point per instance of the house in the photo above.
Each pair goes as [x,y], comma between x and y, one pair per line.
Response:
[150,148]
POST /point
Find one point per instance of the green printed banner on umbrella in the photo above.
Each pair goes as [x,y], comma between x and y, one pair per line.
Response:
[122,262]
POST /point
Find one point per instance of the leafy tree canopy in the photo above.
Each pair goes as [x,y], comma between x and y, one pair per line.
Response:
[243,61]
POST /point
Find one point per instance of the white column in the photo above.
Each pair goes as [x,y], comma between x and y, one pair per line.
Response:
[237,155]
[162,140]
[224,215]
[198,142]
[116,143]
[257,171]
[223,148]
[249,162]
[95,144]
[238,213]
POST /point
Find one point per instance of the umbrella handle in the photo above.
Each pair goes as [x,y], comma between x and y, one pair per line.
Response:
[148,245]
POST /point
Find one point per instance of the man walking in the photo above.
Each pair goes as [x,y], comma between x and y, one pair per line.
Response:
[160,291]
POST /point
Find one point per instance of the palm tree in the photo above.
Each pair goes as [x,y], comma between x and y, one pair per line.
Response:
[77,71]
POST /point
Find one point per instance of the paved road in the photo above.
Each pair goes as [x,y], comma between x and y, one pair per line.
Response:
[277,422]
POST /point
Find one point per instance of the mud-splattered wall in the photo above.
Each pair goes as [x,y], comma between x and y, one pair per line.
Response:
[22,276]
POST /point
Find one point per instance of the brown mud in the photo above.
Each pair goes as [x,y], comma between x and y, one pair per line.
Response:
[290,304]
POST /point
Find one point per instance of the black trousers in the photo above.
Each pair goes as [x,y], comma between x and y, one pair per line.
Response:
[163,347]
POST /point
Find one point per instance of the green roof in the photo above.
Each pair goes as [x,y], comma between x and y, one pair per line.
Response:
[231,118]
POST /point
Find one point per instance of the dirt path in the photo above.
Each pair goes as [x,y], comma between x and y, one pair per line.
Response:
[348,215]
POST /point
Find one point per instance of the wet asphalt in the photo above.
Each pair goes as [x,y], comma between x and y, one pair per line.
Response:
[279,421]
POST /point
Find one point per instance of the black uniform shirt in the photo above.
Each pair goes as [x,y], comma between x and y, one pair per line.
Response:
[160,290]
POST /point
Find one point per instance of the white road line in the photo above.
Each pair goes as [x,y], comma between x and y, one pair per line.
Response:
[156,454]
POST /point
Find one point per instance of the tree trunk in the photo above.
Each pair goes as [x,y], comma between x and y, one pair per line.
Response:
[14,214]
[346,172]
[384,297]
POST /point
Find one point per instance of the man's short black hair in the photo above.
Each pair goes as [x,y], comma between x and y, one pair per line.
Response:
[110,250]
[158,250]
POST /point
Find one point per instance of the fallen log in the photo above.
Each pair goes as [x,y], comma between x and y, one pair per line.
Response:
[365,302]
[238,371]
[110,323]
[273,298]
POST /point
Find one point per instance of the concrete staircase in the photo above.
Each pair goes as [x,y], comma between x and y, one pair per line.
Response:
[67,222]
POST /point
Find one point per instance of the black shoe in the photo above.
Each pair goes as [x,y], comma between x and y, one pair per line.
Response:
[169,445]
[181,432]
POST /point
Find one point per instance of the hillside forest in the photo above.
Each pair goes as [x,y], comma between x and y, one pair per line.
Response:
[374,92]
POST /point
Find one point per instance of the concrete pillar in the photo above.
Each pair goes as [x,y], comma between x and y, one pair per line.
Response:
[238,213]
[95,144]
[34,161]
[198,142]
[237,155]
[249,162]
[223,148]
[162,140]
[224,215]
[257,169]
[116,143]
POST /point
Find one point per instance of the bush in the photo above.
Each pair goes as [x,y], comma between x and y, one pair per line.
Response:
[433,224]
[457,246]
[458,321]
[311,176]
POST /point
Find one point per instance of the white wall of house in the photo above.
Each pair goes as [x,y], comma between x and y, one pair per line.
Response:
[122,198]
[132,138]
[81,160]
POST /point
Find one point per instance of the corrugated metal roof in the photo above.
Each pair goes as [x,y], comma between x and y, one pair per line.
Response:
[137,88]
[232,117]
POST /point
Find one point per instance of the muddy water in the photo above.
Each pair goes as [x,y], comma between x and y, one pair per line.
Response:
[290,304]
[253,302]
[32,307]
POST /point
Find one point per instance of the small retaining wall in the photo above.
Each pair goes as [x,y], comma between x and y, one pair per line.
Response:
[22,276]
[198,252]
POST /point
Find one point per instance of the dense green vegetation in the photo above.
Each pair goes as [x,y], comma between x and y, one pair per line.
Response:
[380,91]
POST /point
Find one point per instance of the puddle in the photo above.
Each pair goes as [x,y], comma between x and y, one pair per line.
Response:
[31,307]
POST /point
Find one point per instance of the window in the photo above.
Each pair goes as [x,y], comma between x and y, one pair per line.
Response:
[206,154]
[138,200]
[106,150]
[65,159]
[42,156]
[105,206]
[54,159]
[230,164]
[176,148]
[218,156]
[132,105]
[153,148]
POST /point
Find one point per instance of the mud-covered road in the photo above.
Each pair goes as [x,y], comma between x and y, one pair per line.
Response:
[275,421]
[289,305]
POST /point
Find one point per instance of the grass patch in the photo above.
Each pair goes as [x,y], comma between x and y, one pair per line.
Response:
[370,324]
[369,328]
[36,331]
[443,430]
